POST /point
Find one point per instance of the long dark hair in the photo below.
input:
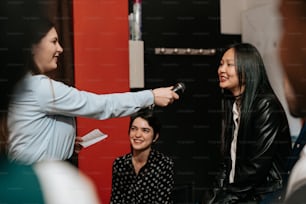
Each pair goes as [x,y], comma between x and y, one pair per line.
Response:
[22,25]
[252,74]
[39,27]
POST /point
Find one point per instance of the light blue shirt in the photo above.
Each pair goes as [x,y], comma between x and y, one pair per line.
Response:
[42,115]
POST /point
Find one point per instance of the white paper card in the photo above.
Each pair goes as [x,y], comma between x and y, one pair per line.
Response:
[93,137]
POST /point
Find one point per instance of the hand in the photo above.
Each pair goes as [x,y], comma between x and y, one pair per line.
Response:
[77,146]
[164,96]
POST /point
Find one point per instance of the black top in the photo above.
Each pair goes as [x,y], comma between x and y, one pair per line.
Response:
[263,149]
[153,184]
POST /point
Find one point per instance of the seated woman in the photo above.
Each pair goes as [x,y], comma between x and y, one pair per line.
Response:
[256,141]
[144,175]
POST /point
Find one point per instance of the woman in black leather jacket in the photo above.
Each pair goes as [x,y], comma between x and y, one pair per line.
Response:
[256,139]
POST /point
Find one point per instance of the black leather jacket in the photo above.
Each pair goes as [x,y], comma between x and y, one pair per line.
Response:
[263,147]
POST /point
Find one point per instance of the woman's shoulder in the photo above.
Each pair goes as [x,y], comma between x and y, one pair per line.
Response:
[43,85]
[43,80]
[267,101]
[162,157]
[37,81]
[123,158]
[37,77]
[32,84]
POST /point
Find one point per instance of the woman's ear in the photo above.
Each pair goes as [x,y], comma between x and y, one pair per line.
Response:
[156,138]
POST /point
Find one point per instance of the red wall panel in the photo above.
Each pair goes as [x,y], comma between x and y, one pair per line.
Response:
[101,66]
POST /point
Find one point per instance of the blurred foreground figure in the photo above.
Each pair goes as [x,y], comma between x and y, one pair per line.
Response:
[293,57]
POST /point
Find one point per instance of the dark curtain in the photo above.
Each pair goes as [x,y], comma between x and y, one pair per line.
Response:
[60,12]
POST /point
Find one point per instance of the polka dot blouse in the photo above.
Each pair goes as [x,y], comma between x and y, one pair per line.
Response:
[153,184]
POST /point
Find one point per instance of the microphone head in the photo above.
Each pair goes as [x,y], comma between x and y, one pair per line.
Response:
[179,87]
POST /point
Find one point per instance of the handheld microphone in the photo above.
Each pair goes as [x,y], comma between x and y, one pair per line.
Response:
[179,88]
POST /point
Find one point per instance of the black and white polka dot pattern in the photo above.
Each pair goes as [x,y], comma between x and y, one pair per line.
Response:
[153,184]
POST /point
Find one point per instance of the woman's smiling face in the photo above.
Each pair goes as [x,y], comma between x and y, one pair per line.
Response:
[47,51]
[141,134]
[227,72]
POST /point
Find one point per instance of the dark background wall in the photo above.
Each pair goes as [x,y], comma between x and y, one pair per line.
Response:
[191,126]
